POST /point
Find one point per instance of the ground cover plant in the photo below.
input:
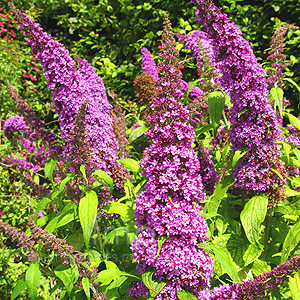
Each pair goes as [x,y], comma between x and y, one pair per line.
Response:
[186,189]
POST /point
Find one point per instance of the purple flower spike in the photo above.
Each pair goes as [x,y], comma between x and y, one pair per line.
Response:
[149,65]
[12,124]
[72,83]
[169,206]
[254,123]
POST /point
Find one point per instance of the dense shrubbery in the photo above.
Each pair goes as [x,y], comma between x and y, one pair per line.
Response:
[186,188]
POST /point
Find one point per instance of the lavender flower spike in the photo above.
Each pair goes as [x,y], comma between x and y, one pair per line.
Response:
[149,65]
[72,84]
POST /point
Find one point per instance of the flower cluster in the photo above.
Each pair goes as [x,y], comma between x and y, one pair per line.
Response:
[169,207]
[149,65]
[72,83]
[259,288]
[13,124]
[277,57]
[32,128]
[207,169]
[254,123]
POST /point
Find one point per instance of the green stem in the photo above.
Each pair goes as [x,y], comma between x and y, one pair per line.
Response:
[267,232]
[99,238]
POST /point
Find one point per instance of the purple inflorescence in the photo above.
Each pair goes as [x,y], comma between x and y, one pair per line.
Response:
[277,57]
[254,123]
[72,83]
[207,169]
[149,65]
[168,207]
[12,124]
[190,43]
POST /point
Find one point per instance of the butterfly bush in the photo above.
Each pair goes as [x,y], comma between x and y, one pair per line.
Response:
[169,206]
[73,82]
[150,68]
[254,123]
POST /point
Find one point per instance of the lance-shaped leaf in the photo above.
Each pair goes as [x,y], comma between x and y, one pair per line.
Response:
[18,289]
[277,96]
[253,215]
[216,103]
[32,278]
[294,284]
[87,214]
[154,286]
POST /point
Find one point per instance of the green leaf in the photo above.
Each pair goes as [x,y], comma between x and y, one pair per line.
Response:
[112,291]
[66,216]
[48,169]
[42,204]
[277,96]
[293,83]
[137,132]
[238,154]
[107,276]
[86,287]
[119,231]
[241,251]
[277,173]
[76,240]
[153,286]
[68,276]
[161,240]
[290,193]
[122,209]
[204,129]
[192,84]
[212,205]
[53,291]
[291,241]
[287,149]
[19,288]
[294,284]
[226,262]
[61,187]
[104,177]
[82,170]
[185,295]
[293,120]
[130,164]
[32,278]
[87,214]
[292,162]
[216,103]
[253,215]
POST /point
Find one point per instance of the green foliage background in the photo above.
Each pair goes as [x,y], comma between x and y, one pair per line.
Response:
[110,34]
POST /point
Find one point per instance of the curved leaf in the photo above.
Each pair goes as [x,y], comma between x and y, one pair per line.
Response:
[291,241]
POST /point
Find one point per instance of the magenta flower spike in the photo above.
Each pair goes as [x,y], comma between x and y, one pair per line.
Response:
[169,206]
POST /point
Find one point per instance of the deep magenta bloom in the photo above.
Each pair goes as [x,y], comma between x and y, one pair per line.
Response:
[169,206]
